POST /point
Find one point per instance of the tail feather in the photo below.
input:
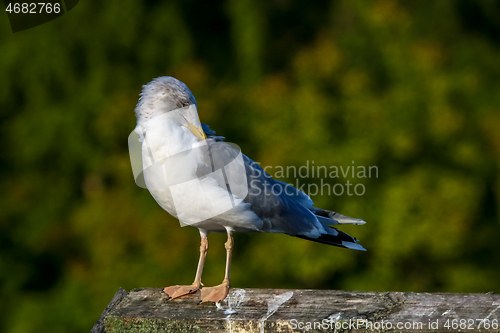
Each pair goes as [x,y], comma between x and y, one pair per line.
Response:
[337,238]
[334,236]
[335,218]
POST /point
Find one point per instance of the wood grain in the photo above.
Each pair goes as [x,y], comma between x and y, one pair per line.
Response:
[274,310]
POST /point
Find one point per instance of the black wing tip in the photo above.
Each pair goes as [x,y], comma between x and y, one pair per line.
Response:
[340,240]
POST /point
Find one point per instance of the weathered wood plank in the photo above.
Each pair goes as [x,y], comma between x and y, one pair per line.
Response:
[99,325]
[274,310]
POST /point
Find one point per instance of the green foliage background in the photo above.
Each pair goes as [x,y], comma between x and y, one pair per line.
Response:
[412,87]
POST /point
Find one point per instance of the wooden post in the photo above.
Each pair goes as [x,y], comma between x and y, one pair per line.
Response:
[274,310]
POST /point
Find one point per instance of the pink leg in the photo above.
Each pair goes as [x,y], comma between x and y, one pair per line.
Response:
[179,291]
[218,293]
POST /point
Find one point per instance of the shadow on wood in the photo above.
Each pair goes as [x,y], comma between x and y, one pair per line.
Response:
[273,310]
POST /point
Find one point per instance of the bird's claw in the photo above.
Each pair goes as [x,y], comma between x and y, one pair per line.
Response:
[215,294]
[179,291]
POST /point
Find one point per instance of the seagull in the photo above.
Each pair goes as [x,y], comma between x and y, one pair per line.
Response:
[209,184]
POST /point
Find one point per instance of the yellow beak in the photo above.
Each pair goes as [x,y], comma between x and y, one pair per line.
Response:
[198,132]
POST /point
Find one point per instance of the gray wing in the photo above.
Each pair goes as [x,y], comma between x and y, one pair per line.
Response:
[292,210]
[280,211]
[281,207]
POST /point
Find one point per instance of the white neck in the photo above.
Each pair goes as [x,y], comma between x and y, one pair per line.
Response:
[163,137]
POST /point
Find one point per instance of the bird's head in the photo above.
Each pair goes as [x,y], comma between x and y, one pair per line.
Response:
[167,96]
